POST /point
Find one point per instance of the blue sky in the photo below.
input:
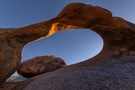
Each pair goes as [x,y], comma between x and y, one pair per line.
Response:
[73,46]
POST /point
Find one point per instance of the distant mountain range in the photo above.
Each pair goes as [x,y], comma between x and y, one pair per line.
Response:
[15,78]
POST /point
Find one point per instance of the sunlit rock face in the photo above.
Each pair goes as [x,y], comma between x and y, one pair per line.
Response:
[112,69]
[40,65]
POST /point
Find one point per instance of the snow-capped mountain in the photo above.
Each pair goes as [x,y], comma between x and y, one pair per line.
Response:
[15,78]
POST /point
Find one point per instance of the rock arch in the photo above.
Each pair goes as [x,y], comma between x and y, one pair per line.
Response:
[117,33]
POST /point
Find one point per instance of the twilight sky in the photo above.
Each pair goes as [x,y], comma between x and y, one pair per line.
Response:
[73,46]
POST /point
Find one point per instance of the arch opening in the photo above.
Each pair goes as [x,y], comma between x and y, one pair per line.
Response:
[73,46]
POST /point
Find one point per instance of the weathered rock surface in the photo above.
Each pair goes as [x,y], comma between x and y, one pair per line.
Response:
[40,65]
[112,69]
[9,85]
[117,75]
[12,81]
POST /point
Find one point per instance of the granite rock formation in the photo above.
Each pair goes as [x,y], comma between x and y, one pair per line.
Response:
[40,65]
[12,81]
[9,85]
[112,69]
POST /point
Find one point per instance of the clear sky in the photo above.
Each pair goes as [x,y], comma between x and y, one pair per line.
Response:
[73,46]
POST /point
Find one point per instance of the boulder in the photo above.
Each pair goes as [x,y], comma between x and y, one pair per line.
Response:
[39,65]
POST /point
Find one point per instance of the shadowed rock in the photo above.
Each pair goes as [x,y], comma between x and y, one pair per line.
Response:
[9,85]
[12,81]
[112,69]
[40,65]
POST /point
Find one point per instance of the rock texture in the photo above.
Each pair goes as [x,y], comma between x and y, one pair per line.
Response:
[112,69]
[39,65]
[118,75]
[12,81]
[9,85]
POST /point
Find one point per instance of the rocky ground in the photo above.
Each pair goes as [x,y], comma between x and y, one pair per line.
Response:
[9,85]
[12,82]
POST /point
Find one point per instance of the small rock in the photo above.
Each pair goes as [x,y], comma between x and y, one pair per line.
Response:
[39,65]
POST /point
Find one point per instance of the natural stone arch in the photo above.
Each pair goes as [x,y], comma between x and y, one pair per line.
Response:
[118,36]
